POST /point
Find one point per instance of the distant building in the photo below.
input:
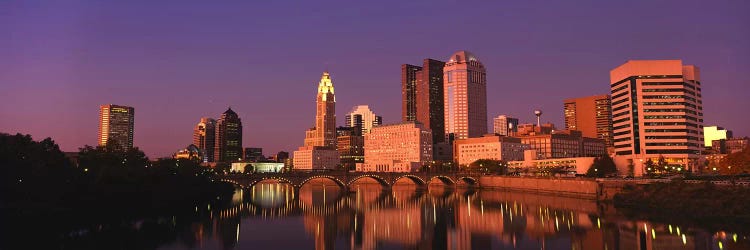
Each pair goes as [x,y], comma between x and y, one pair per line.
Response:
[253,155]
[532,129]
[351,146]
[712,133]
[465,98]
[204,137]
[402,147]
[228,146]
[363,118]
[592,115]
[564,144]
[489,147]
[504,125]
[116,125]
[257,167]
[731,145]
[191,152]
[657,111]
[319,150]
[281,156]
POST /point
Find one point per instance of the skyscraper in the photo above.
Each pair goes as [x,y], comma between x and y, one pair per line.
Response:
[505,125]
[319,150]
[228,146]
[422,96]
[657,111]
[363,118]
[324,132]
[116,125]
[592,115]
[204,137]
[465,99]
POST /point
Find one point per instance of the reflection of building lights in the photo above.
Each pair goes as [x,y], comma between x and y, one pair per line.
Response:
[684,240]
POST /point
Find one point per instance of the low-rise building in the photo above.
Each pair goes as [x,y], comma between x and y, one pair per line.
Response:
[192,152]
[402,147]
[728,146]
[492,147]
[315,158]
[257,167]
[564,144]
[569,166]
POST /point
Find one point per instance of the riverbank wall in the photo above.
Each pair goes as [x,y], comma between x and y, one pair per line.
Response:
[578,187]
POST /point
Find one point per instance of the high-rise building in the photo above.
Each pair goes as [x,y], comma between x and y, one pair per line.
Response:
[228,146]
[712,133]
[363,118]
[465,98]
[351,146]
[319,150]
[116,125]
[402,147]
[324,132]
[422,96]
[204,137]
[657,111]
[592,115]
[505,125]
[409,92]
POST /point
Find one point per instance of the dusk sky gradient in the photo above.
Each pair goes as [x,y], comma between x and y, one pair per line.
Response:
[177,61]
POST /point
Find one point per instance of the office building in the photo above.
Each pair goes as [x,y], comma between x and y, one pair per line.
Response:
[564,144]
[116,125]
[657,111]
[351,146]
[324,132]
[534,129]
[363,118]
[592,115]
[488,147]
[204,137]
[253,155]
[319,149]
[505,125]
[422,96]
[729,146]
[228,146]
[403,147]
[465,96]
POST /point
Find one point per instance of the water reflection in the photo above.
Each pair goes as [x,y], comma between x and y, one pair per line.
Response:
[368,217]
[278,216]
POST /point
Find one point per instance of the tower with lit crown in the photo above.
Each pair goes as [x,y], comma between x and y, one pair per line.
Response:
[319,150]
[324,132]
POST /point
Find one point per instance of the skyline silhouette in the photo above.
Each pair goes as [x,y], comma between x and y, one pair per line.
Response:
[177,63]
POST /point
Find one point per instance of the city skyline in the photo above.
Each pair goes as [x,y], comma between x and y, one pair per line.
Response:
[87,66]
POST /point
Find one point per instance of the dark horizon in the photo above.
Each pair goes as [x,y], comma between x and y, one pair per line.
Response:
[176,63]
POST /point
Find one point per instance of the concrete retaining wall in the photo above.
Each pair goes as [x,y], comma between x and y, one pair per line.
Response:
[581,188]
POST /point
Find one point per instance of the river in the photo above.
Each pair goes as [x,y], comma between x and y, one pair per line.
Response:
[320,216]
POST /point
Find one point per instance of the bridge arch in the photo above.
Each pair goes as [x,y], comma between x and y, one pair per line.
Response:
[375,177]
[469,180]
[279,179]
[444,179]
[338,182]
[416,179]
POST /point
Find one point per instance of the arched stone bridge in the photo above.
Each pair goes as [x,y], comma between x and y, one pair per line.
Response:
[344,179]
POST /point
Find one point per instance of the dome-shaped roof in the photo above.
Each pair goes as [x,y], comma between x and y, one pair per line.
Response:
[463,56]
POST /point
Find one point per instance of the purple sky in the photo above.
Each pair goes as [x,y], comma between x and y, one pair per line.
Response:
[176,62]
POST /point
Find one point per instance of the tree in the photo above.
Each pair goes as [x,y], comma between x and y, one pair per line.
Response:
[735,163]
[602,167]
[33,169]
[650,166]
